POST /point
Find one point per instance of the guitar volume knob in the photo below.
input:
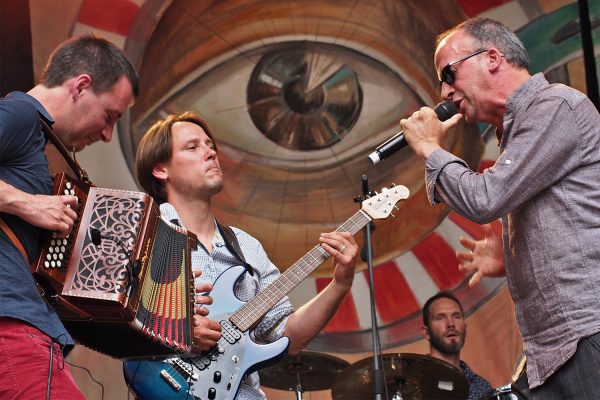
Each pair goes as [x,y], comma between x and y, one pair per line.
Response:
[212,393]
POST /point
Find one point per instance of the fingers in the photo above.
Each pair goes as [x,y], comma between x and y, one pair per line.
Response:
[54,213]
[203,287]
[203,299]
[64,219]
[475,278]
[201,311]
[339,244]
[452,122]
[467,243]
[464,256]
[207,332]
[70,201]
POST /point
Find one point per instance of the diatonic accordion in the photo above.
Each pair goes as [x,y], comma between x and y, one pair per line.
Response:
[122,281]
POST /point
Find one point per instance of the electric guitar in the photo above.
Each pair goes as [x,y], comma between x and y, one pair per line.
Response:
[217,373]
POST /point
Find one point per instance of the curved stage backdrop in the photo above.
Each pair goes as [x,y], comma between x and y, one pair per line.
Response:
[298,93]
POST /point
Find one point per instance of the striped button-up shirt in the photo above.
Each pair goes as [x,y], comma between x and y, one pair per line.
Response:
[213,264]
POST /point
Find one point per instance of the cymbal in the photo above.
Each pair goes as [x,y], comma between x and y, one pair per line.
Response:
[314,371]
[407,376]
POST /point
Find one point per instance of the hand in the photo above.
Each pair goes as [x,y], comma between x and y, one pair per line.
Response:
[202,298]
[343,248]
[423,131]
[207,332]
[485,257]
[54,213]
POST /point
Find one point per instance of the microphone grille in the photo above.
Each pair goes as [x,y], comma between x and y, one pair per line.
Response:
[445,110]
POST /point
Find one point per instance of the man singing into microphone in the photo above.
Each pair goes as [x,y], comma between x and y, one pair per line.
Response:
[544,186]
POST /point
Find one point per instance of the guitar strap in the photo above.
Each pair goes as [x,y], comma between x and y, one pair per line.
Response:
[233,245]
[13,238]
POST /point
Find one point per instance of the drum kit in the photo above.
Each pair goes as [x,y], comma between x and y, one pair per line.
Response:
[407,376]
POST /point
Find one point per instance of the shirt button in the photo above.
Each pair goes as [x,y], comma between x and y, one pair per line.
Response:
[507,162]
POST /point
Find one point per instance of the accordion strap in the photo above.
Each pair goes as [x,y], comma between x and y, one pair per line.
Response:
[13,238]
[233,245]
[81,174]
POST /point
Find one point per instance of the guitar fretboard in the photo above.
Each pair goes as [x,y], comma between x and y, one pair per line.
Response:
[251,312]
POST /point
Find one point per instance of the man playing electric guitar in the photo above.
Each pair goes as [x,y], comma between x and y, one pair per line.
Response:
[177,164]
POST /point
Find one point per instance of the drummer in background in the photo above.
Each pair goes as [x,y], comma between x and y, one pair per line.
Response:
[445,328]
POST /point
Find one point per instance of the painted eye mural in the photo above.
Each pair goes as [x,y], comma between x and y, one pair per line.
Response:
[297,94]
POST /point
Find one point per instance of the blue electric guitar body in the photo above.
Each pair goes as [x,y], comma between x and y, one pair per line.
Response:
[217,374]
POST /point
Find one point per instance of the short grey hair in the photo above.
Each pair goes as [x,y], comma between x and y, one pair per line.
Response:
[488,32]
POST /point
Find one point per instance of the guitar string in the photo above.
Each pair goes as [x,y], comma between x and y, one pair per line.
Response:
[249,313]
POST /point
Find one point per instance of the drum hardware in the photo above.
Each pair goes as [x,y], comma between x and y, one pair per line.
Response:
[306,371]
[506,392]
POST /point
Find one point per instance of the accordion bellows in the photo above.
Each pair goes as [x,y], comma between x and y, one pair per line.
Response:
[122,281]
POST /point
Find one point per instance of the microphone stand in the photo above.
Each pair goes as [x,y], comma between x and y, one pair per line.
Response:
[377,373]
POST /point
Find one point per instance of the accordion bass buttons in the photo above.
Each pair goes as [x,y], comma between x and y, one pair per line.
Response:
[56,253]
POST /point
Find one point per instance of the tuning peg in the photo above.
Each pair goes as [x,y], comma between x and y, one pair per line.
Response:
[392,215]
[397,208]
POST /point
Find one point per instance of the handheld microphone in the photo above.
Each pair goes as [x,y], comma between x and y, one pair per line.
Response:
[444,110]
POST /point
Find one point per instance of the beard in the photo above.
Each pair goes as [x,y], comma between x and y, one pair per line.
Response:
[454,347]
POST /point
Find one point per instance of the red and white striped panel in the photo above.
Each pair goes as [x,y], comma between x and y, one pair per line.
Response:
[111,19]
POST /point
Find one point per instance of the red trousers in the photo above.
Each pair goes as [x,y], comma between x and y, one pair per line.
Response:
[24,364]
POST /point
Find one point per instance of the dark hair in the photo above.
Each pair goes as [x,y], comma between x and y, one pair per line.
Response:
[156,147]
[104,62]
[488,32]
[440,295]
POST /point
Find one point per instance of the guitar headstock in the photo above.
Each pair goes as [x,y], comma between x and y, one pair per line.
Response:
[381,205]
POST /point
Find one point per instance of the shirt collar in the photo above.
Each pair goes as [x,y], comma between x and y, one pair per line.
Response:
[521,97]
[169,213]
[38,106]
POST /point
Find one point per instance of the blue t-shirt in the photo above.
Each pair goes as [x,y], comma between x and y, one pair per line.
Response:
[23,165]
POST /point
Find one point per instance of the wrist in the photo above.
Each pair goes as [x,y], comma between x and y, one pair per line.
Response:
[425,150]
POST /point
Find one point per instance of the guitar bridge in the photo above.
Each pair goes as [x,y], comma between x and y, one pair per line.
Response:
[170,380]
[183,368]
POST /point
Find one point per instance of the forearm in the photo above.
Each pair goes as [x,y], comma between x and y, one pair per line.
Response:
[535,154]
[12,200]
[55,213]
[306,322]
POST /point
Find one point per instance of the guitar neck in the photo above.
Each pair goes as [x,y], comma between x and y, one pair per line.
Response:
[252,311]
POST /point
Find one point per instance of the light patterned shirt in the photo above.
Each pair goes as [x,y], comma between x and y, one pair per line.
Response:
[546,187]
[212,265]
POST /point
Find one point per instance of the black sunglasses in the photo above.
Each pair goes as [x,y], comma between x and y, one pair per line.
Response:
[447,73]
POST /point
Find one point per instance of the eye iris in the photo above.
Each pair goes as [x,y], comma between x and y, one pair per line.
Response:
[303,98]
[302,102]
